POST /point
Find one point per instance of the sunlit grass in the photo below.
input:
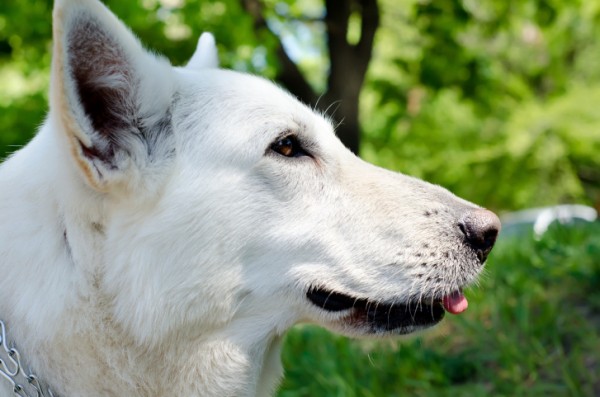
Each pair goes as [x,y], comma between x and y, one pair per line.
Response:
[532,329]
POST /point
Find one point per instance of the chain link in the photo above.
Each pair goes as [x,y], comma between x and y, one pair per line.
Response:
[24,384]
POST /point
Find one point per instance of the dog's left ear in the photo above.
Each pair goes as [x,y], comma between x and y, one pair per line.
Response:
[206,55]
[111,97]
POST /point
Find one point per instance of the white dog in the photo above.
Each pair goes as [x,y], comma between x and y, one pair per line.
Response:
[166,226]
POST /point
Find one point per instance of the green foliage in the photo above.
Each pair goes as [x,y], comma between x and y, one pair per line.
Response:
[532,329]
[24,62]
[542,154]
[494,100]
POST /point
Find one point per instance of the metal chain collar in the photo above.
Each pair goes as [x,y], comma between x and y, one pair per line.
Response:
[24,384]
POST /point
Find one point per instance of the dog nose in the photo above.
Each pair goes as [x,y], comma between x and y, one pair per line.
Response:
[480,227]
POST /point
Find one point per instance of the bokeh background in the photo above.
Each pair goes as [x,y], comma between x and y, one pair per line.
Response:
[499,101]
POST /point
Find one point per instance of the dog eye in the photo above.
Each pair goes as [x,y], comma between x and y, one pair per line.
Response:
[288,147]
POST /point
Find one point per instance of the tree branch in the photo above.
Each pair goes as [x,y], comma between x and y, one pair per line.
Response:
[289,74]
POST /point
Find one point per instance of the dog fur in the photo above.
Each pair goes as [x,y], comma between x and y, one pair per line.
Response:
[155,241]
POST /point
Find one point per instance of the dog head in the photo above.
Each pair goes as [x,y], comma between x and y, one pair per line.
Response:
[226,203]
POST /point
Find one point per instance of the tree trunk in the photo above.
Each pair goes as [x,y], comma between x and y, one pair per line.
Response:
[348,62]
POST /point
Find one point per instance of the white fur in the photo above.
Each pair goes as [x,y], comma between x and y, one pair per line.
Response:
[174,267]
[206,55]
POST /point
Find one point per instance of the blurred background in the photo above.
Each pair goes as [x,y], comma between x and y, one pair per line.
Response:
[499,101]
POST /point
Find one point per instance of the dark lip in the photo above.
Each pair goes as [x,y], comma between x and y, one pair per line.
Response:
[376,316]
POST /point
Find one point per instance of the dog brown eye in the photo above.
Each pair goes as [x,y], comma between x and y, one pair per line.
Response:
[288,147]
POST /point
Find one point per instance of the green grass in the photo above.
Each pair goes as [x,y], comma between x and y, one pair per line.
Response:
[532,329]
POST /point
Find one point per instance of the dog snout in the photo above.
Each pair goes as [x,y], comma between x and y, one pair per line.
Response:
[480,228]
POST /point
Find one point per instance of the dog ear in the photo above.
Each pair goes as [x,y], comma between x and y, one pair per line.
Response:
[111,97]
[206,55]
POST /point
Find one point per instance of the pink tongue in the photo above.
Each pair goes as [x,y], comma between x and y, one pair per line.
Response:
[455,303]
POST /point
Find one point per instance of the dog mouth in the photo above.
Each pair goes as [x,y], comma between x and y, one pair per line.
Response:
[385,317]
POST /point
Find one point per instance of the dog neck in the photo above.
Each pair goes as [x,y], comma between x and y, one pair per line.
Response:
[65,325]
[15,374]
[251,379]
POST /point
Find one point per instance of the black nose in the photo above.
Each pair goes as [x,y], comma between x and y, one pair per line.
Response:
[480,228]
